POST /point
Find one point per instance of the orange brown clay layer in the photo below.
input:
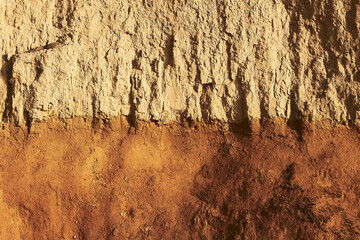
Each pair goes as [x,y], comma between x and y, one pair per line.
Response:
[70,179]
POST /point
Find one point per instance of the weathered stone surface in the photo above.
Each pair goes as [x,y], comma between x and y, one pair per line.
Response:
[165,60]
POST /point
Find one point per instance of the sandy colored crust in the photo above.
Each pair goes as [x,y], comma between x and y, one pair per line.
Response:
[165,60]
[69,178]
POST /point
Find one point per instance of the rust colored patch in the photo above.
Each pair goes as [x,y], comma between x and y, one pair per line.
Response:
[66,180]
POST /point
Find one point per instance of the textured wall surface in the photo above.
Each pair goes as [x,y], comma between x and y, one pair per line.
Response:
[171,62]
[165,60]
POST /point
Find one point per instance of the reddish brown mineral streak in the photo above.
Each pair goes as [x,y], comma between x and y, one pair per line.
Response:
[179,182]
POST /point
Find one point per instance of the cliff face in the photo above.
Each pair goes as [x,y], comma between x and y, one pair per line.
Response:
[166,60]
[80,75]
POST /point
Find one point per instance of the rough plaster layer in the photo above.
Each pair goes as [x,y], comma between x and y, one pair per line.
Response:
[163,60]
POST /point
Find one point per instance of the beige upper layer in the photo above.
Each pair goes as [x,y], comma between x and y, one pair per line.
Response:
[228,60]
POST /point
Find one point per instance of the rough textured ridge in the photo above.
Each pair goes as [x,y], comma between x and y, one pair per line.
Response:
[165,60]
